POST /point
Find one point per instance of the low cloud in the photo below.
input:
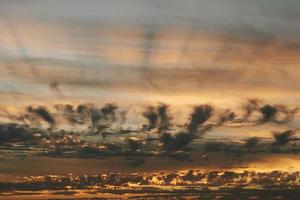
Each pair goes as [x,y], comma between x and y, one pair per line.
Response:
[200,115]
[282,138]
[251,142]
[14,133]
[158,117]
[43,113]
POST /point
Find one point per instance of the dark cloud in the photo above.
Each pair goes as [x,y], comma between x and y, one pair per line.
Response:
[200,115]
[181,140]
[164,123]
[176,142]
[43,113]
[226,116]
[14,133]
[250,106]
[277,113]
[151,115]
[134,144]
[81,114]
[199,125]
[84,112]
[268,113]
[96,117]
[166,138]
[101,117]
[251,142]
[158,117]
[213,146]
[282,138]
[89,114]
[108,111]
[202,119]
[82,108]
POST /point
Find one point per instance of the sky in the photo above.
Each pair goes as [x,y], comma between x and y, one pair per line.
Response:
[123,86]
[137,53]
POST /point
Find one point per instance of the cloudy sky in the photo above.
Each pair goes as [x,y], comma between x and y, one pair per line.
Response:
[173,51]
[139,52]
[84,79]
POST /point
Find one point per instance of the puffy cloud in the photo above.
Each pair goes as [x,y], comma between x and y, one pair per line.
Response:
[15,133]
[200,115]
[151,115]
[282,138]
[43,113]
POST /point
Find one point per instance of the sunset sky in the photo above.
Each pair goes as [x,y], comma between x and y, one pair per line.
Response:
[136,51]
[239,60]
[140,52]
